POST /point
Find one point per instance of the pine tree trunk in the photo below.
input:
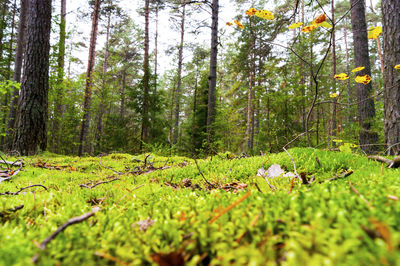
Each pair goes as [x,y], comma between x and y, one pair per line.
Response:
[212,78]
[31,118]
[19,52]
[334,104]
[179,76]
[366,108]
[83,141]
[56,134]
[391,45]
[349,95]
[146,80]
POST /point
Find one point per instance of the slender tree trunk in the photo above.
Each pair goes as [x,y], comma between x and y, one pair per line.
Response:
[179,76]
[378,42]
[211,112]
[103,95]
[8,74]
[19,52]
[334,89]
[146,80]
[31,118]
[156,52]
[83,141]
[56,132]
[366,108]
[122,93]
[3,25]
[349,95]
[391,45]
[250,94]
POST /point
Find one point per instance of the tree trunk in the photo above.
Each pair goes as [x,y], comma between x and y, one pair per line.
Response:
[156,51]
[179,77]
[391,44]
[102,105]
[56,134]
[122,93]
[333,119]
[146,80]
[83,141]
[349,95]
[212,78]
[366,108]
[31,118]
[3,26]
[378,42]
[19,52]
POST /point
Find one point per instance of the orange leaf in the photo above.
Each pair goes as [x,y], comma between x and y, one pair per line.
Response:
[230,207]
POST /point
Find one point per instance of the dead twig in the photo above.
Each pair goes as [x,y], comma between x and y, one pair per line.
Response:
[340,176]
[359,195]
[109,167]
[201,173]
[71,221]
[99,183]
[21,189]
[4,213]
[294,165]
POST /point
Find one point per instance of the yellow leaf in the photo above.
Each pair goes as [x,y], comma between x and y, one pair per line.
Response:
[374,32]
[363,79]
[353,145]
[333,95]
[264,14]
[229,23]
[341,76]
[295,25]
[325,25]
[357,69]
[309,28]
[240,25]
[397,66]
[320,19]
[252,11]
[337,140]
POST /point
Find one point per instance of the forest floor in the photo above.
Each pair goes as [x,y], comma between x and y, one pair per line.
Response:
[148,209]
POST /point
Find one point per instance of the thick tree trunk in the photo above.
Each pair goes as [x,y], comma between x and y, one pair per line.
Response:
[146,80]
[84,142]
[31,118]
[391,49]
[366,108]
[212,78]
[179,76]
[56,134]
[19,52]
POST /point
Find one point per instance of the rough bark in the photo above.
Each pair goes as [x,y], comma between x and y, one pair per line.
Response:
[83,141]
[146,80]
[366,108]
[179,76]
[31,118]
[19,52]
[391,76]
[212,78]
[56,134]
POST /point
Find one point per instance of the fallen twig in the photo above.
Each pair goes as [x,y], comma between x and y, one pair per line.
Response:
[359,195]
[294,165]
[71,221]
[4,213]
[99,183]
[108,167]
[342,175]
[204,178]
[252,224]
[392,197]
[21,189]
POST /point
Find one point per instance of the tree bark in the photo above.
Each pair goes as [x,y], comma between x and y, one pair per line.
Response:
[366,108]
[334,104]
[83,142]
[31,118]
[146,80]
[212,78]
[391,52]
[19,52]
[179,76]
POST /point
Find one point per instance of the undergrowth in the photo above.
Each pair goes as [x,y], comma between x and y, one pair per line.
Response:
[170,210]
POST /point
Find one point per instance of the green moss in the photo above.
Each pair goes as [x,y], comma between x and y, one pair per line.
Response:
[323,223]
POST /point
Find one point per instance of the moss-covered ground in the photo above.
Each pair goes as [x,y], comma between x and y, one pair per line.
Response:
[154,214]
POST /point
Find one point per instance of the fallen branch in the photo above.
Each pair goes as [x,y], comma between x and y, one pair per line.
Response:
[204,178]
[14,173]
[4,213]
[71,221]
[395,163]
[21,189]
[108,167]
[342,175]
[99,183]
